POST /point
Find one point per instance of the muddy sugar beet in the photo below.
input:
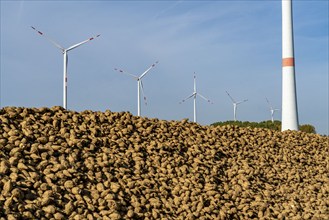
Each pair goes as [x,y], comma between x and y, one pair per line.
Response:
[58,164]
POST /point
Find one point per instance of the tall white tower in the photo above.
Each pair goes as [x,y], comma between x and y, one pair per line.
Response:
[289,97]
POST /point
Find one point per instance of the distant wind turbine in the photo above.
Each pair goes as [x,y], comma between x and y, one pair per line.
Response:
[235,104]
[272,110]
[64,51]
[194,94]
[139,85]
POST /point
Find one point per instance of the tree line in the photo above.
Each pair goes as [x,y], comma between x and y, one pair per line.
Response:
[276,125]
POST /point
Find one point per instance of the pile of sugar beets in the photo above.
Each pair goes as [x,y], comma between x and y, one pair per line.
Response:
[58,164]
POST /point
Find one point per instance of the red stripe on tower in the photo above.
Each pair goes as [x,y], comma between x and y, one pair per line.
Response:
[288,62]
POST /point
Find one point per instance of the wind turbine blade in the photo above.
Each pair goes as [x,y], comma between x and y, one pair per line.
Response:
[267,101]
[269,104]
[208,100]
[142,88]
[187,98]
[49,39]
[124,72]
[241,101]
[194,82]
[230,97]
[146,71]
[83,42]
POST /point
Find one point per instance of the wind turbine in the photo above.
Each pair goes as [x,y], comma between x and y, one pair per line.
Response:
[64,51]
[139,85]
[289,95]
[235,104]
[271,109]
[194,94]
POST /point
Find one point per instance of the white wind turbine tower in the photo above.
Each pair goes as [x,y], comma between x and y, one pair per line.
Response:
[64,51]
[272,110]
[235,104]
[194,94]
[289,95]
[139,85]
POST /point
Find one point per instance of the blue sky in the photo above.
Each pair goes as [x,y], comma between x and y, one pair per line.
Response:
[232,46]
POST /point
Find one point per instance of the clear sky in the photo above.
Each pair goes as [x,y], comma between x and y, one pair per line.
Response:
[232,46]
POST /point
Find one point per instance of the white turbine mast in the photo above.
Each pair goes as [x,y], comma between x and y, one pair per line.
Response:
[64,51]
[289,95]
[194,94]
[139,85]
[272,110]
[235,104]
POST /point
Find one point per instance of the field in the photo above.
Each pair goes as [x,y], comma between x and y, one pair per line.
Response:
[58,164]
